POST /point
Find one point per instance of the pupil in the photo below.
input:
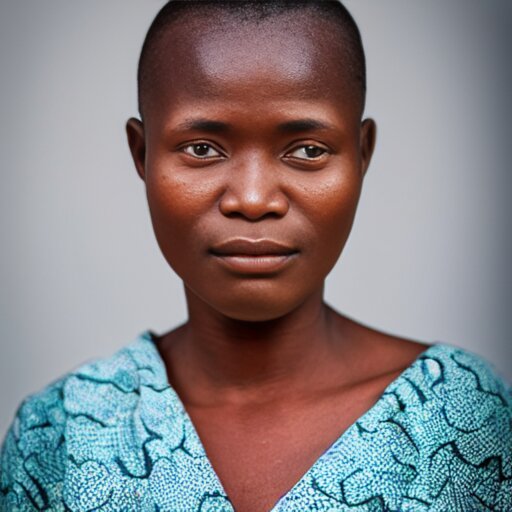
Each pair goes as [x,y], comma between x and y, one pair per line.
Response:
[313,151]
[201,149]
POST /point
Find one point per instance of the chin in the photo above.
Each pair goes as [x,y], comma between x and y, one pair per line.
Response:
[256,309]
[254,315]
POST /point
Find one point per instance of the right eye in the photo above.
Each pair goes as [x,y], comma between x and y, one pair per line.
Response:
[201,150]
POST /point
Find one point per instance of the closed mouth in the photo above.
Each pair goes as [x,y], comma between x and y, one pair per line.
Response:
[244,247]
[254,257]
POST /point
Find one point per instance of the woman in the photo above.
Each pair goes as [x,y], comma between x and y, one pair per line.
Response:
[253,153]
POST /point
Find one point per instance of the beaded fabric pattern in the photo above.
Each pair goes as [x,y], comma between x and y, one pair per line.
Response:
[112,435]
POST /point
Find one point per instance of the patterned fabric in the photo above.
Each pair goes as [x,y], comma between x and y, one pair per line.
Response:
[112,435]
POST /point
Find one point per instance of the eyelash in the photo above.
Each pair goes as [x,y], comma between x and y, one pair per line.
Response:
[195,144]
[304,147]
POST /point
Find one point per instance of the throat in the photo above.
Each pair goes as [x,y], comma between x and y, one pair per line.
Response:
[254,365]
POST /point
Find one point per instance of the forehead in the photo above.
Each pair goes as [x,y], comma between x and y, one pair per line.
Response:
[215,55]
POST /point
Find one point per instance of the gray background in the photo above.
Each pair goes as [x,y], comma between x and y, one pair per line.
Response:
[81,275]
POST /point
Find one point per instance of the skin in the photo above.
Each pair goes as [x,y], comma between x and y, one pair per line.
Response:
[265,368]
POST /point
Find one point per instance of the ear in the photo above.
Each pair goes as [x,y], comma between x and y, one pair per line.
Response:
[367,143]
[137,143]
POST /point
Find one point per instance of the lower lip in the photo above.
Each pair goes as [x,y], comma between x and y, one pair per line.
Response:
[248,264]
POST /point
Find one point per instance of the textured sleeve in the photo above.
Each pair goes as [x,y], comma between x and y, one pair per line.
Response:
[32,455]
[478,411]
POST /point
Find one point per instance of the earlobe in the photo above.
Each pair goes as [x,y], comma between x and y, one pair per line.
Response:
[137,143]
[367,143]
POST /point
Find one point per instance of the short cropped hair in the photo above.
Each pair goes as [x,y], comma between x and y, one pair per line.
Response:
[254,10]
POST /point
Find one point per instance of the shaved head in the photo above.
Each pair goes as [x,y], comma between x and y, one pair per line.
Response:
[211,31]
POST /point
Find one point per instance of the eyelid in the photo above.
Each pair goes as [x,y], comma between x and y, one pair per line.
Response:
[326,150]
[213,146]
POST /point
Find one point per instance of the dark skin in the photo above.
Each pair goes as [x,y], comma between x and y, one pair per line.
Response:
[270,374]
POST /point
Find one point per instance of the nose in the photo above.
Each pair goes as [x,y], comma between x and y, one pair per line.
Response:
[254,191]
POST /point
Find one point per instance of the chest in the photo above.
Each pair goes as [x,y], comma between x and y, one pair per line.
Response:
[260,453]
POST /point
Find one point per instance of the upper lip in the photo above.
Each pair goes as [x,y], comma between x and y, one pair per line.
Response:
[251,247]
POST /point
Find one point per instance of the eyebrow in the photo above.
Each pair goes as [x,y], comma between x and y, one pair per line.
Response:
[288,127]
[202,124]
[303,125]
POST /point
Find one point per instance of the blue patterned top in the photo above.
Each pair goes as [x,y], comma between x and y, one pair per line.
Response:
[112,435]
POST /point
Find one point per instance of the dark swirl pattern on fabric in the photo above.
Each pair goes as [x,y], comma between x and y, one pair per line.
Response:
[112,435]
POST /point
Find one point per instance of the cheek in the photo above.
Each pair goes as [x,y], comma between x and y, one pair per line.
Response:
[330,210]
[179,195]
[176,204]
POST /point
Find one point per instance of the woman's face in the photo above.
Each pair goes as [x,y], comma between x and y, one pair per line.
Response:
[251,134]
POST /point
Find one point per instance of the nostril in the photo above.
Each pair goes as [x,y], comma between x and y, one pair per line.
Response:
[253,206]
[254,218]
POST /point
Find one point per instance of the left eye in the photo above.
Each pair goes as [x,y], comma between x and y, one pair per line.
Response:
[309,152]
[201,150]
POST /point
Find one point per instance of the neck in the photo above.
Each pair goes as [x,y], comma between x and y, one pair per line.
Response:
[220,359]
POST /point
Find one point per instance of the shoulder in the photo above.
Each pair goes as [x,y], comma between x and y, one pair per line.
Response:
[33,455]
[461,379]
[460,413]
[462,386]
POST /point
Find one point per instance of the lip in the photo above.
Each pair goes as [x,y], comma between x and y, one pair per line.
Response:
[248,247]
[253,256]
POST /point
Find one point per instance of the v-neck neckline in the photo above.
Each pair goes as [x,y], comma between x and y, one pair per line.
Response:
[161,382]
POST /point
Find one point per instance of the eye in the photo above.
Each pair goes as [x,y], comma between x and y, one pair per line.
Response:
[201,150]
[308,152]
